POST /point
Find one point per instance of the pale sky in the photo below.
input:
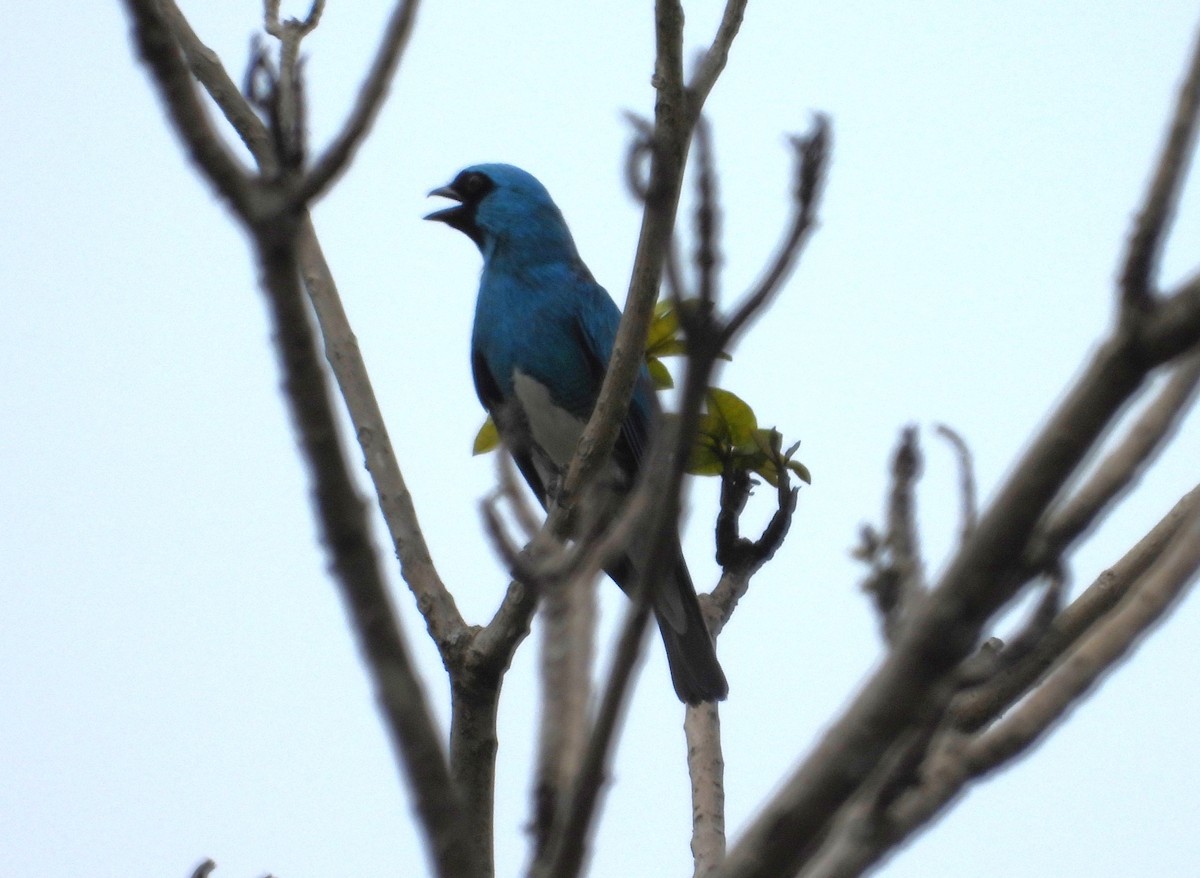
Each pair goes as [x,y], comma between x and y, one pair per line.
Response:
[177,676]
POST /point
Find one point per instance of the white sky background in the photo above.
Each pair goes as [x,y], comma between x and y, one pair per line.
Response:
[176,674]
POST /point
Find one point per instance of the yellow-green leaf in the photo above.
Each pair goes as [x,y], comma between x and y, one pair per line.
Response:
[737,417]
[667,347]
[487,438]
[659,375]
[800,470]
[664,326]
[704,460]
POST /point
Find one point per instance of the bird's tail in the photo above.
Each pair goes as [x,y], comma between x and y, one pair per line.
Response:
[691,655]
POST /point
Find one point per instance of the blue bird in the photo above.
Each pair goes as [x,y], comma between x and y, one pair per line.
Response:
[543,334]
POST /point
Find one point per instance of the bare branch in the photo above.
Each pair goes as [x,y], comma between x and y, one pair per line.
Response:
[707,258]
[1124,465]
[1150,230]
[706,768]
[518,500]
[812,154]
[204,869]
[897,576]
[569,846]
[1174,326]
[983,575]
[366,106]
[342,520]
[979,706]
[568,618]
[206,66]
[668,148]
[713,62]
[345,532]
[956,759]
[435,602]
[966,479]
[1083,667]
[475,702]
[508,550]
[174,83]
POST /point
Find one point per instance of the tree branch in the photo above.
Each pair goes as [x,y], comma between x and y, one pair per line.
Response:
[812,160]
[1154,219]
[1104,647]
[345,533]
[343,524]
[1123,466]
[1173,326]
[206,66]
[979,706]
[706,768]
[173,81]
[442,618]
[966,480]
[984,574]
[713,62]
[367,105]
[897,578]
[1154,581]
[672,133]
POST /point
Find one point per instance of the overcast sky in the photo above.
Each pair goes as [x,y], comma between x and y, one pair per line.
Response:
[177,677]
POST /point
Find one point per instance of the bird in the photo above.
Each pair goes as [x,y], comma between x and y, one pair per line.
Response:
[543,333]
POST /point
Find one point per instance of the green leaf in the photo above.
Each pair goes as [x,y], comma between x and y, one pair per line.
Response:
[668,347]
[800,470]
[659,375]
[704,459]
[664,327]
[487,439]
[736,416]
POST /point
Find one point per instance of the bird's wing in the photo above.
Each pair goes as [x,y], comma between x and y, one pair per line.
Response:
[489,393]
[596,330]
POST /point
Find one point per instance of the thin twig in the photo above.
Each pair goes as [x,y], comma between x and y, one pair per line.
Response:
[1104,647]
[1154,218]
[173,81]
[812,155]
[342,352]
[979,706]
[514,493]
[205,869]
[966,480]
[707,257]
[367,105]
[896,579]
[1123,466]
[713,62]
[345,532]
[209,72]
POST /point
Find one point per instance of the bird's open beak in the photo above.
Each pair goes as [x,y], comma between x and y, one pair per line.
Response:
[446,214]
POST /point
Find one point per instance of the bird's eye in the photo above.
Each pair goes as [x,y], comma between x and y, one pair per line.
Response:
[472,184]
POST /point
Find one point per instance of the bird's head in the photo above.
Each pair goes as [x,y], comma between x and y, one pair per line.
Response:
[500,204]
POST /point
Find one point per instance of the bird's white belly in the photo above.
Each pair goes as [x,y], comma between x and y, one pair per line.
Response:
[555,430]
